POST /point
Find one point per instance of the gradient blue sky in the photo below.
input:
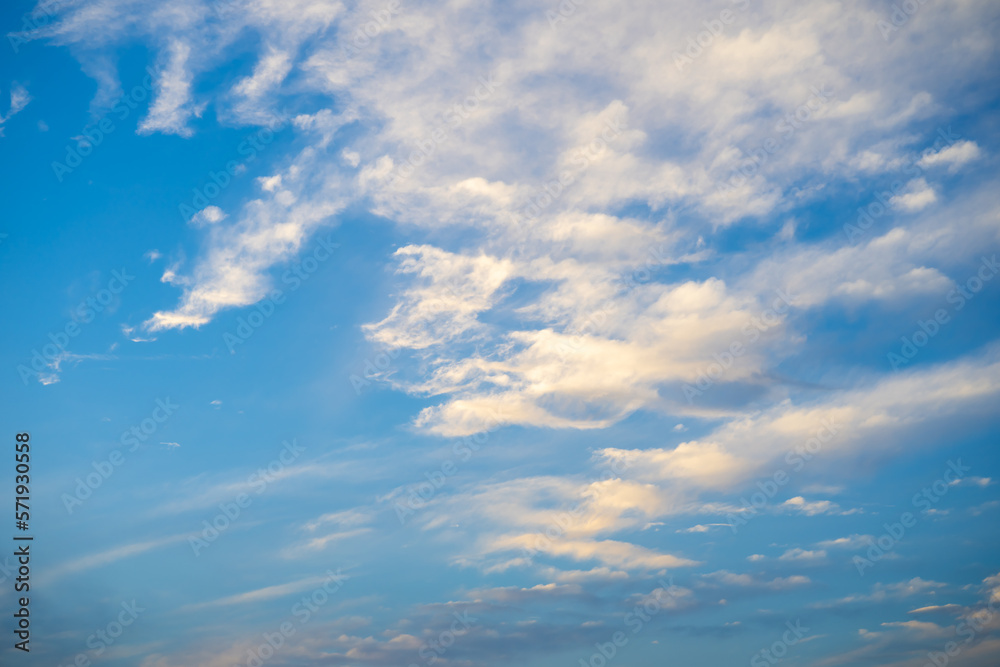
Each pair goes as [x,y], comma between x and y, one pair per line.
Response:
[504,312]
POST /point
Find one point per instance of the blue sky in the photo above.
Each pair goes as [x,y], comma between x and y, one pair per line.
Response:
[409,333]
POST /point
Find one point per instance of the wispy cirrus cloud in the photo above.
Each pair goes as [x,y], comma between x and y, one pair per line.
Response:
[19,99]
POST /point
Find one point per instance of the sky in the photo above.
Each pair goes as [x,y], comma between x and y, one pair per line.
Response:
[404,333]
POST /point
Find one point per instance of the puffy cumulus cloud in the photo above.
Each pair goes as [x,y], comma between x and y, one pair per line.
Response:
[207,216]
[592,367]
[917,195]
[953,156]
[607,340]
[729,101]
[595,158]
[992,586]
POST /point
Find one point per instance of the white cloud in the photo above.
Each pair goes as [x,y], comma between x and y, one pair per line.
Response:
[954,156]
[234,270]
[916,196]
[173,107]
[724,577]
[811,508]
[699,528]
[937,608]
[866,417]
[802,555]
[19,99]
[850,542]
[457,288]
[261,594]
[256,92]
[208,216]
[112,555]
[575,304]
[352,158]
[621,555]
[881,592]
